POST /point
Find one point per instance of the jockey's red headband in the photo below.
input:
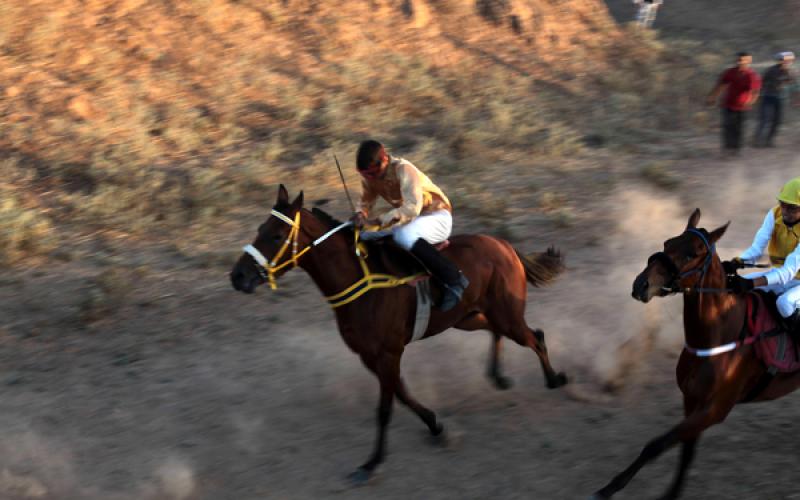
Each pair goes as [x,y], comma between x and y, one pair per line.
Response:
[374,169]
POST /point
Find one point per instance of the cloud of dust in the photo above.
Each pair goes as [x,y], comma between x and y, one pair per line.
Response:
[608,333]
[176,479]
[609,330]
[595,330]
[32,466]
[36,466]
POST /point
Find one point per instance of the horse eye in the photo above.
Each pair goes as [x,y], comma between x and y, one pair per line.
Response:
[277,238]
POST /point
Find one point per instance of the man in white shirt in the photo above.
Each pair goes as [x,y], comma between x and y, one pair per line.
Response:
[646,15]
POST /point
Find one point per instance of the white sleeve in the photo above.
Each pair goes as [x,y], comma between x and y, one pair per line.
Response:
[761,240]
[785,273]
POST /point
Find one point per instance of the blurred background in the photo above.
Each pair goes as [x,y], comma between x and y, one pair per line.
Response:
[141,145]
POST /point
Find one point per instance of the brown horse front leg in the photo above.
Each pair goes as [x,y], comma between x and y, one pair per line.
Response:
[687,456]
[687,431]
[426,415]
[387,369]
[494,372]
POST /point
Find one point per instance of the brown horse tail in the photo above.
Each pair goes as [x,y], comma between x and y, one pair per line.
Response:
[542,268]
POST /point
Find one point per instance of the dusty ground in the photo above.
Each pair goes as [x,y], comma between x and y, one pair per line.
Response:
[186,389]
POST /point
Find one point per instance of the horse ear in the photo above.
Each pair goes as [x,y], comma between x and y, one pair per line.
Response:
[693,219]
[283,194]
[717,233]
[298,202]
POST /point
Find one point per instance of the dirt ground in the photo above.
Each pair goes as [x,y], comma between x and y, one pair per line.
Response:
[181,388]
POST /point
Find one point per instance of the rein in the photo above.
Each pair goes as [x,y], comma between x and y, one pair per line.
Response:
[674,286]
[267,269]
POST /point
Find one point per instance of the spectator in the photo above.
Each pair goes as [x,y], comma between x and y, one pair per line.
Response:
[646,14]
[777,83]
[741,85]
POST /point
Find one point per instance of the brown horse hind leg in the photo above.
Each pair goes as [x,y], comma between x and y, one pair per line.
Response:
[494,372]
[535,340]
[478,321]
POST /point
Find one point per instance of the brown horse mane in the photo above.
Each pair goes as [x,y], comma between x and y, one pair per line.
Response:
[329,220]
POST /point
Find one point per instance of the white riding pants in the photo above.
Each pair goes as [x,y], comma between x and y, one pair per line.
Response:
[788,294]
[434,228]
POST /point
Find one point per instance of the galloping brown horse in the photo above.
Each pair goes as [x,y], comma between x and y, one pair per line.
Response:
[378,325]
[712,381]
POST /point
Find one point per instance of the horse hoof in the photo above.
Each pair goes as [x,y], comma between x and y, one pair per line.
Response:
[559,380]
[438,430]
[360,477]
[445,439]
[502,383]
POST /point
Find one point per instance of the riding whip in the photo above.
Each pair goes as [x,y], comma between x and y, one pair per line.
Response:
[346,191]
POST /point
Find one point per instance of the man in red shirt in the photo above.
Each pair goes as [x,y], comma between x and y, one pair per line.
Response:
[741,85]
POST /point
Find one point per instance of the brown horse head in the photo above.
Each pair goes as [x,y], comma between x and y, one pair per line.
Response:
[683,262]
[272,235]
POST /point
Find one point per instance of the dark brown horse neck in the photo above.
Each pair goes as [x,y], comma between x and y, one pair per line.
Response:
[333,265]
[711,319]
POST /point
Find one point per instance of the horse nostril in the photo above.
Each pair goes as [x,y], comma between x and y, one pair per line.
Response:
[639,288]
[236,278]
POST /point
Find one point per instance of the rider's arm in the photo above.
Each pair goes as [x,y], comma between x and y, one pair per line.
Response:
[721,85]
[787,272]
[368,198]
[761,240]
[755,88]
[413,196]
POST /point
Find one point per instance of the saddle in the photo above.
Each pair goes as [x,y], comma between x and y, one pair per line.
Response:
[384,256]
[387,257]
[778,345]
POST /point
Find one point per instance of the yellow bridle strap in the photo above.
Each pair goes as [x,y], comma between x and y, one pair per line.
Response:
[273,267]
[370,281]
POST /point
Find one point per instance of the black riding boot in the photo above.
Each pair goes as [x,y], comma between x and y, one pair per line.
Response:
[793,324]
[442,269]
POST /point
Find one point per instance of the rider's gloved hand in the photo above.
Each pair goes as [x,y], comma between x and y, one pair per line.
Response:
[737,284]
[731,266]
[359,219]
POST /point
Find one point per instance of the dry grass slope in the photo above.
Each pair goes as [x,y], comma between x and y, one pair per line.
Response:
[137,114]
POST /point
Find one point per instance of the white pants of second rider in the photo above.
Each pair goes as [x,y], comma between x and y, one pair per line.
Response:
[788,293]
[781,280]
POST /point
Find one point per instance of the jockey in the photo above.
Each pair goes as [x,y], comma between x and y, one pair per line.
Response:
[421,216]
[779,235]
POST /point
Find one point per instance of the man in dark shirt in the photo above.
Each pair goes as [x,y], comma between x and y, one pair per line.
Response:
[741,85]
[777,81]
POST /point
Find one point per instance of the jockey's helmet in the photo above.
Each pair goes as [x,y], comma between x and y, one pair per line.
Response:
[791,192]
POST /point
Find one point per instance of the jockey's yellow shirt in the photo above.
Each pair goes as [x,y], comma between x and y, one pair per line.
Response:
[783,241]
[410,192]
[781,244]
